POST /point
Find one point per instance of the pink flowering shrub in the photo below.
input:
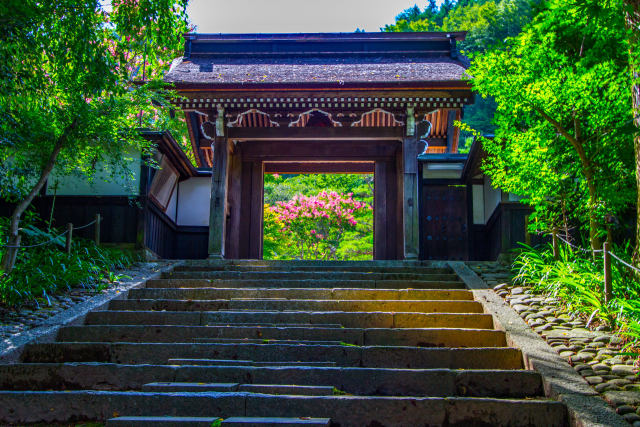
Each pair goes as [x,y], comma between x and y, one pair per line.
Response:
[316,224]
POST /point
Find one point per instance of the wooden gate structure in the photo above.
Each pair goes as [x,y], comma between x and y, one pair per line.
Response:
[315,103]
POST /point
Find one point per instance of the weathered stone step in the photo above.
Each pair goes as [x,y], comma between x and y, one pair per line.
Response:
[302,284]
[299,267]
[375,319]
[276,422]
[421,306]
[66,406]
[353,380]
[266,341]
[171,387]
[208,422]
[300,390]
[422,337]
[226,362]
[185,292]
[309,275]
[377,356]
[162,421]
[295,265]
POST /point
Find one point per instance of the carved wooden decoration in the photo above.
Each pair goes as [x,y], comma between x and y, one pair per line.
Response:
[253,118]
[377,118]
[314,117]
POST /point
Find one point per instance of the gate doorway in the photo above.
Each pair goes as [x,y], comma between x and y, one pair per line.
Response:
[249,160]
[318,216]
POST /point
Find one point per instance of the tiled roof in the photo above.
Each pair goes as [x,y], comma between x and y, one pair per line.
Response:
[314,70]
[239,59]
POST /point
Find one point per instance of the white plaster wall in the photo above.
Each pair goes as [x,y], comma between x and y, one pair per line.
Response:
[102,184]
[492,197]
[194,196]
[477,194]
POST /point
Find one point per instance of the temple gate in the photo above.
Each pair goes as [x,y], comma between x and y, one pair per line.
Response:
[317,103]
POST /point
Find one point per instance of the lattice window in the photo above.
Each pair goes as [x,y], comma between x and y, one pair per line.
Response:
[163,184]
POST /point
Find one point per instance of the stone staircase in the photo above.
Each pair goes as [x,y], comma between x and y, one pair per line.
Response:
[283,344]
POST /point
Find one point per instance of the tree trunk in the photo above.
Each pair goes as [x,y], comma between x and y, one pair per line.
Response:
[587,169]
[9,257]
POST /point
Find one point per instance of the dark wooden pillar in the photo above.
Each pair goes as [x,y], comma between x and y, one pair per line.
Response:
[379,211]
[234,200]
[218,212]
[410,196]
[257,210]
[251,210]
[387,212]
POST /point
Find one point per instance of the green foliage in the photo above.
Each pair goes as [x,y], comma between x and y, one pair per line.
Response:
[45,270]
[563,139]
[487,22]
[354,242]
[77,81]
[578,281]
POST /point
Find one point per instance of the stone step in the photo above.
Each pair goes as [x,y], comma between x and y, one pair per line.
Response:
[375,357]
[172,387]
[292,390]
[184,292]
[309,275]
[209,421]
[421,306]
[264,341]
[299,390]
[353,380]
[276,422]
[302,284]
[421,337]
[296,267]
[316,264]
[376,319]
[66,406]
[226,362]
[162,421]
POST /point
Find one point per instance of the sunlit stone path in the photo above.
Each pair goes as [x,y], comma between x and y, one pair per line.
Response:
[286,344]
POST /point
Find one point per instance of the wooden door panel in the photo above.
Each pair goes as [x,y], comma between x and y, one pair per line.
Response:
[444,222]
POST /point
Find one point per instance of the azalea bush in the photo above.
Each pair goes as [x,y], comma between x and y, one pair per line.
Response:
[315,226]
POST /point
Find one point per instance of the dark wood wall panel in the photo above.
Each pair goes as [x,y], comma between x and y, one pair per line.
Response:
[191,242]
[443,218]
[119,215]
[160,232]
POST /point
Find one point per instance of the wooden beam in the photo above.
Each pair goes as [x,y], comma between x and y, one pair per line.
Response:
[320,167]
[270,151]
[315,134]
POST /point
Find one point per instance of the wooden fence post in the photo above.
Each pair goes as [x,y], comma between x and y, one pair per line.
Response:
[96,231]
[527,235]
[608,288]
[556,251]
[69,237]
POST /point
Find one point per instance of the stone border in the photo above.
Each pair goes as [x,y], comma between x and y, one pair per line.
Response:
[560,380]
[11,348]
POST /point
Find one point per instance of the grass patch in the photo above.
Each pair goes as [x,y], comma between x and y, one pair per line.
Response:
[46,270]
[578,280]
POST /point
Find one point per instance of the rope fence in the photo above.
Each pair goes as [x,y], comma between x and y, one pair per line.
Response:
[69,236]
[606,254]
